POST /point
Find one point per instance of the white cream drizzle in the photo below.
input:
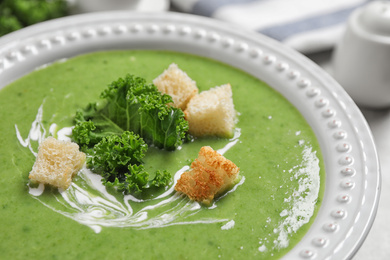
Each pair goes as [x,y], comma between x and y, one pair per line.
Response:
[303,199]
[228,225]
[89,203]
[37,132]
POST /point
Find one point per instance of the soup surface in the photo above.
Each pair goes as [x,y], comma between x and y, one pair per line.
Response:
[263,216]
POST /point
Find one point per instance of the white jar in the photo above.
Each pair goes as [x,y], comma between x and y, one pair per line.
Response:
[361,61]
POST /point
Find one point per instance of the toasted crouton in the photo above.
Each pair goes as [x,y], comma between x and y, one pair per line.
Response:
[57,162]
[176,83]
[211,113]
[211,174]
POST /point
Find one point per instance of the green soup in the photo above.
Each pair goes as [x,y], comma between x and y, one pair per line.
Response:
[263,216]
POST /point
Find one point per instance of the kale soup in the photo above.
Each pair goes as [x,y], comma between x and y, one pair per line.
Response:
[263,216]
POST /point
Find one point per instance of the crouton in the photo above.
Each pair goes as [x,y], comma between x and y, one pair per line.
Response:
[211,113]
[176,83]
[210,175]
[57,162]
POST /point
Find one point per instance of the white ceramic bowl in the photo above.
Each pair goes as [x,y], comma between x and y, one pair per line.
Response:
[362,57]
[352,169]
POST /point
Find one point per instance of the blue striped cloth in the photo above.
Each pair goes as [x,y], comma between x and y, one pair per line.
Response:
[306,25]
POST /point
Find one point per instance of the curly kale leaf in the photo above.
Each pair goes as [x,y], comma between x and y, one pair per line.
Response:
[132,105]
[139,107]
[113,154]
[137,180]
[116,132]
[118,159]
[91,127]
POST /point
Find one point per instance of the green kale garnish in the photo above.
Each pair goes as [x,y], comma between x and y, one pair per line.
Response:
[130,104]
[118,159]
[91,127]
[141,108]
[116,133]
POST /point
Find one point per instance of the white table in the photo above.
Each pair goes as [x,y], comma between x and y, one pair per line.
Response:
[377,244]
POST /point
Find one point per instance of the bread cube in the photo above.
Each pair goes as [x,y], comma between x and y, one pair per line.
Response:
[212,113]
[176,83]
[57,162]
[210,175]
